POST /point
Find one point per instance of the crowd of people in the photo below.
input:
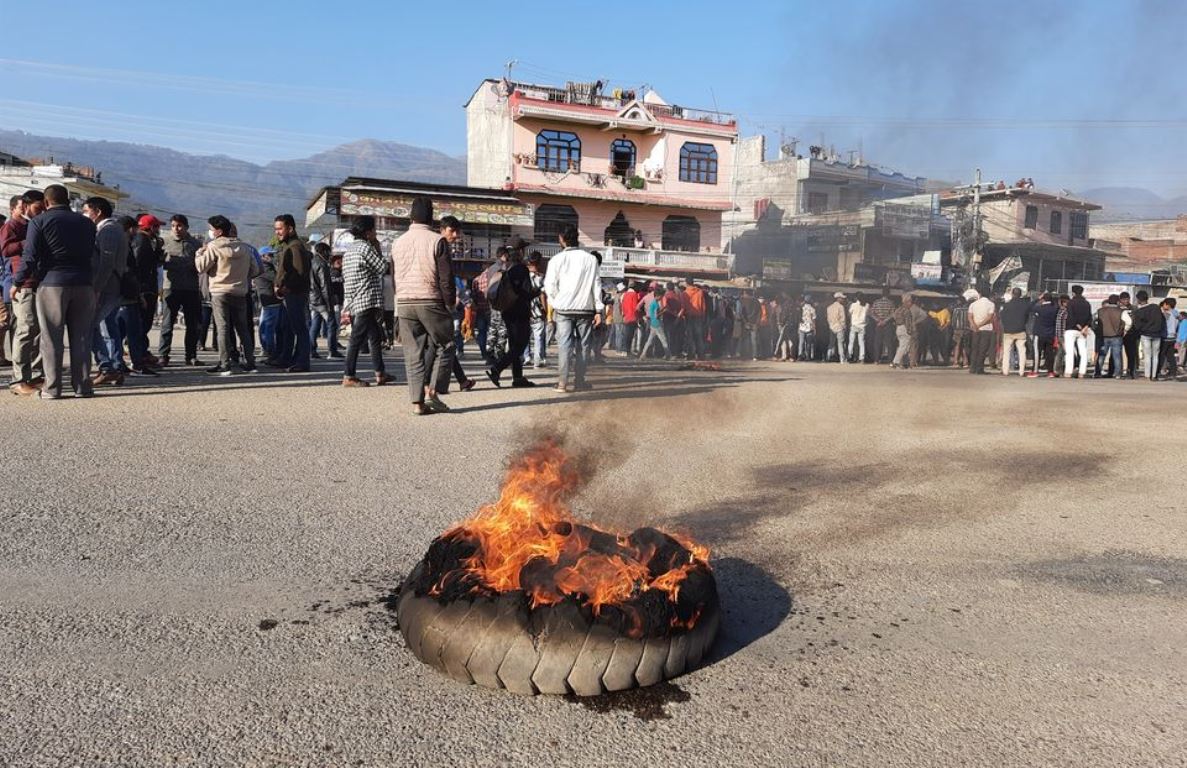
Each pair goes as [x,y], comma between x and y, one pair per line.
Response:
[94,285]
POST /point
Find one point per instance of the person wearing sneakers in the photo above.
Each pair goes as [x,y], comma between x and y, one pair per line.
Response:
[574,293]
[517,318]
[425,297]
[230,265]
[362,304]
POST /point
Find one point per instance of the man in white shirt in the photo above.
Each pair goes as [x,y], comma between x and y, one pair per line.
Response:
[981,312]
[836,314]
[858,311]
[571,284]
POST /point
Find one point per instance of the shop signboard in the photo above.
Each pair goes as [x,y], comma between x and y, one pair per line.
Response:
[399,206]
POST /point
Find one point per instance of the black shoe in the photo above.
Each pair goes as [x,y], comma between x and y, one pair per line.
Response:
[296,369]
[315,355]
[248,368]
[337,356]
[521,383]
[143,371]
[193,361]
[494,377]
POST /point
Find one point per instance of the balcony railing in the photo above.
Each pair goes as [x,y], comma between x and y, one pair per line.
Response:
[578,94]
[672,261]
[654,259]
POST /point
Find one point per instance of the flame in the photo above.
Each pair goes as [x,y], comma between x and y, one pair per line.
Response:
[528,540]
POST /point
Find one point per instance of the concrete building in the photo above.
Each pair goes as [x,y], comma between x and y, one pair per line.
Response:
[17,176]
[1149,244]
[824,217]
[645,180]
[1042,236]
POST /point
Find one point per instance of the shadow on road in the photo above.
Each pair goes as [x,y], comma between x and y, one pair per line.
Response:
[753,604]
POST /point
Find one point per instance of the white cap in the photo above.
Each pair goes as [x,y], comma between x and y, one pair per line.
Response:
[622,286]
[970,294]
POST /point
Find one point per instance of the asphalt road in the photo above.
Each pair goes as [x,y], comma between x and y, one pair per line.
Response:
[917,569]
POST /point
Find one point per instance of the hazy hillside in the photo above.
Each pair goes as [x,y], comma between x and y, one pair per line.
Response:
[1128,203]
[169,181]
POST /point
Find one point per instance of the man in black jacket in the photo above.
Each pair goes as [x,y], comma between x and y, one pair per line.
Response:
[147,255]
[59,247]
[1078,336]
[1150,326]
[1014,315]
[1129,341]
[517,318]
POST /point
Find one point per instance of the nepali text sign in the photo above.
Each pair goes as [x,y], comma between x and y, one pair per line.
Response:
[931,274]
[364,203]
[612,268]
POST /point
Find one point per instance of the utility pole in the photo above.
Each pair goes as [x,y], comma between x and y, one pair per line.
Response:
[967,229]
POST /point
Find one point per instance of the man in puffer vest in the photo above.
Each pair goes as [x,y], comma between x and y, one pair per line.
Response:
[425,296]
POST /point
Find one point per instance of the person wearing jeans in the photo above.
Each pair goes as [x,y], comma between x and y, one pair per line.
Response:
[656,326]
[293,279]
[108,266]
[575,295]
[1150,326]
[363,267]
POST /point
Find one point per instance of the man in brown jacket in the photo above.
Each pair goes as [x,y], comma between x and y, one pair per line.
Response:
[425,295]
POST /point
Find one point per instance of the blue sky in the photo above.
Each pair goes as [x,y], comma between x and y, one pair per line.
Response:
[1075,94]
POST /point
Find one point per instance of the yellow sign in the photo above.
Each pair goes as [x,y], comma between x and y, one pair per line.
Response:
[361,203]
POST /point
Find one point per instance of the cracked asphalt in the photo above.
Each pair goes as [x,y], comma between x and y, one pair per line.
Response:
[916,569]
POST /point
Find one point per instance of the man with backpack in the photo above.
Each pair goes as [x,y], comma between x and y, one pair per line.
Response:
[511,293]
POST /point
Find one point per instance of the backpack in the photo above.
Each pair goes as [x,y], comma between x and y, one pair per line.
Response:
[499,292]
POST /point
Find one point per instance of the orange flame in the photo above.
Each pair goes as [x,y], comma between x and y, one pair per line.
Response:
[531,527]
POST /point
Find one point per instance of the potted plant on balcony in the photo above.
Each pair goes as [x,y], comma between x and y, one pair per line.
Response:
[635,182]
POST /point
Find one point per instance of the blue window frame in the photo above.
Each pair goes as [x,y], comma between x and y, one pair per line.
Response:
[558,151]
[698,163]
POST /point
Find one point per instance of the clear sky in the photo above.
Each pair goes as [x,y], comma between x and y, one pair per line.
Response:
[1075,93]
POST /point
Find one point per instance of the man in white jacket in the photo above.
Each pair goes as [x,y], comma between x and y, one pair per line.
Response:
[571,284]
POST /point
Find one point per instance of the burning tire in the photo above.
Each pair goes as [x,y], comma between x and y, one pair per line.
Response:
[522,597]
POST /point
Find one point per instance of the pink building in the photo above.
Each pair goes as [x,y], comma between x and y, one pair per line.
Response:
[631,172]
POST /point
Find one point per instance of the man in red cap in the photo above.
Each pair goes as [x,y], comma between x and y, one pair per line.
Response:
[148,256]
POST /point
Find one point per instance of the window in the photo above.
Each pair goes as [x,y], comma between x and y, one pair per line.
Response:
[1078,225]
[1056,222]
[681,233]
[817,202]
[698,163]
[558,151]
[619,233]
[1032,217]
[622,157]
[551,220]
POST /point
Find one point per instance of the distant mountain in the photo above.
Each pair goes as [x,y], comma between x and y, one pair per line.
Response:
[167,181]
[1130,203]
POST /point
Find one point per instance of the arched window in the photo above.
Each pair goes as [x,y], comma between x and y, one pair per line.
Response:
[619,233]
[558,151]
[551,220]
[682,233]
[698,163]
[1056,223]
[622,157]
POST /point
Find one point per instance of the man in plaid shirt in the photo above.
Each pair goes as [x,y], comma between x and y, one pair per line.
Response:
[362,276]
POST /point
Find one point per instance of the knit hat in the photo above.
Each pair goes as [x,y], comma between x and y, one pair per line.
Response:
[970,295]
